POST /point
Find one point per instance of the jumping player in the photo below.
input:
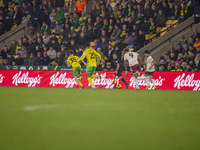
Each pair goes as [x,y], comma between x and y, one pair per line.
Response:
[134,60]
[72,60]
[93,58]
[118,70]
[150,68]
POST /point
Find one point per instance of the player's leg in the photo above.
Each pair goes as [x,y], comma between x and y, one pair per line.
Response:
[152,81]
[76,73]
[89,72]
[147,80]
[115,81]
[120,77]
[135,76]
[95,76]
[78,82]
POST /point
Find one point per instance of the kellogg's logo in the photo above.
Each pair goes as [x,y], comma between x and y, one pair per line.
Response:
[187,81]
[107,82]
[158,82]
[60,79]
[24,78]
[1,78]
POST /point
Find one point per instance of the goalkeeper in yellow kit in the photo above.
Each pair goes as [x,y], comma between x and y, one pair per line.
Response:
[93,58]
[72,60]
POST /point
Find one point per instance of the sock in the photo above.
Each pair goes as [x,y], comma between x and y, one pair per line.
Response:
[142,78]
[90,81]
[146,81]
[123,80]
[93,76]
[80,83]
[135,80]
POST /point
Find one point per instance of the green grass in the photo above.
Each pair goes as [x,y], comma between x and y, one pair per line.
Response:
[74,119]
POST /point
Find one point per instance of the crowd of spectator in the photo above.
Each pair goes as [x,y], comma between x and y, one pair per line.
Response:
[185,57]
[111,26]
[12,12]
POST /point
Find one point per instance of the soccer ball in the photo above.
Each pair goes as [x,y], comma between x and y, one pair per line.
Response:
[118,86]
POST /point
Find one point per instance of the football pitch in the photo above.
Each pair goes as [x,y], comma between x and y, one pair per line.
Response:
[103,119]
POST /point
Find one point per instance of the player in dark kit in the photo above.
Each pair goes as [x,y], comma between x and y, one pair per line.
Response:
[118,70]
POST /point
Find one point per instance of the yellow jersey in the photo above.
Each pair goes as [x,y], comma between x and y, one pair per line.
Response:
[93,57]
[73,61]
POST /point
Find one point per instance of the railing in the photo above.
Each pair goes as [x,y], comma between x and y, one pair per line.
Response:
[169,39]
[12,32]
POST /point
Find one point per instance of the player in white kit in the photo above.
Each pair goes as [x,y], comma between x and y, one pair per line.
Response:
[134,60]
[150,68]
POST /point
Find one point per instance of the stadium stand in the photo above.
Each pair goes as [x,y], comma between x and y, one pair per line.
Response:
[53,28]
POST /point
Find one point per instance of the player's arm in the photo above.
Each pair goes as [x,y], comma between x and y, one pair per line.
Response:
[98,57]
[126,64]
[68,64]
[117,68]
[82,57]
[84,63]
[140,59]
[152,64]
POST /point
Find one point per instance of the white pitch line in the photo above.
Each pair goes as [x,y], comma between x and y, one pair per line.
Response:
[36,107]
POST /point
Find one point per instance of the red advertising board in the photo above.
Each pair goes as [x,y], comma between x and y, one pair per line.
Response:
[164,80]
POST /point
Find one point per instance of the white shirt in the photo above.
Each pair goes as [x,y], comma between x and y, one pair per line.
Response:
[132,58]
[149,62]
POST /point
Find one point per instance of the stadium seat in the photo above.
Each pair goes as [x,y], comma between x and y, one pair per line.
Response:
[153,37]
[175,22]
[147,37]
[164,29]
[158,29]
[169,23]
[162,33]
[14,26]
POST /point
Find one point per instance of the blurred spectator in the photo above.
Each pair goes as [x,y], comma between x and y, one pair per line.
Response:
[44,28]
[59,15]
[52,17]
[102,65]
[23,51]
[65,59]
[198,50]
[32,59]
[51,53]
[5,51]
[10,58]
[196,34]
[183,41]
[171,49]
[26,59]
[104,45]
[197,43]
[197,60]
[161,19]
[59,59]
[97,44]
[115,34]
[177,67]
[46,59]
[38,59]
[179,59]
[17,15]
[32,24]
[19,60]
